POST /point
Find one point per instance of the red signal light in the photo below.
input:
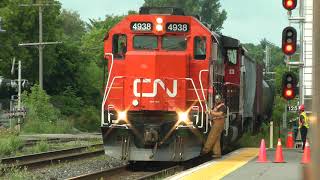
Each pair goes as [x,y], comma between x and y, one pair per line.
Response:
[289,4]
[289,93]
[288,48]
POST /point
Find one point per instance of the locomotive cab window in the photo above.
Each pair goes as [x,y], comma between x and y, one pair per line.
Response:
[232,56]
[119,46]
[144,42]
[200,48]
[174,43]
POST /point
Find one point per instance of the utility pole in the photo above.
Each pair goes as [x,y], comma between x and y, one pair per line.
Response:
[19,80]
[315,125]
[40,44]
[267,58]
[19,93]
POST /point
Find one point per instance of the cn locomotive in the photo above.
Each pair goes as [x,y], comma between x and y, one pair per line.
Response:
[164,69]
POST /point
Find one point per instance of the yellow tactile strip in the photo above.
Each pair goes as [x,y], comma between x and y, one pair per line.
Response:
[219,169]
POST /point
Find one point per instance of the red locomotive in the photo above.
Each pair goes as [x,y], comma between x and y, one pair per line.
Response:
[164,70]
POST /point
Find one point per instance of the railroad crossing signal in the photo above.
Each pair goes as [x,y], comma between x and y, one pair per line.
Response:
[289,4]
[16,113]
[289,40]
[289,85]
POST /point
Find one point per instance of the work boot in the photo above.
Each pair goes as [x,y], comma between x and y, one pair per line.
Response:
[216,156]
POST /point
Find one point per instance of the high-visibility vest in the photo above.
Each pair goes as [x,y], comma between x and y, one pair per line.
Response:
[306,120]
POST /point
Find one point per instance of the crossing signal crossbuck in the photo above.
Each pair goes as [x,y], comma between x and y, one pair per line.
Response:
[289,85]
[289,4]
[289,41]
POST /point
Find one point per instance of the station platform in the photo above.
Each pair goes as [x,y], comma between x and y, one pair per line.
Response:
[242,165]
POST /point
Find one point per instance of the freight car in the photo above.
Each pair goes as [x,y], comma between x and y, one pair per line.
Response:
[164,70]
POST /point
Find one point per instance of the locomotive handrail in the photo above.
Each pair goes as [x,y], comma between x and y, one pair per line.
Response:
[230,83]
[204,98]
[105,91]
[105,96]
[195,89]
[202,90]
[110,72]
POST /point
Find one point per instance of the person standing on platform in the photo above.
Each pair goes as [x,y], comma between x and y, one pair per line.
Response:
[213,140]
[303,124]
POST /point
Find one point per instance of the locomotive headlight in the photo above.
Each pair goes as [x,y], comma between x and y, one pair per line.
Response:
[159,27]
[183,116]
[122,115]
[159,20]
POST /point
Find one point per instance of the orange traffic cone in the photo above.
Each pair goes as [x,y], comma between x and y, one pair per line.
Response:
[262,153]
[306,154]
[278,158]
[290,142]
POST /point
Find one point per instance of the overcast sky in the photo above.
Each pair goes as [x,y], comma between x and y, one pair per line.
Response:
[248,20]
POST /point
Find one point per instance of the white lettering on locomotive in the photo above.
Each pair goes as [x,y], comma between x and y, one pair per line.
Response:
[171,94]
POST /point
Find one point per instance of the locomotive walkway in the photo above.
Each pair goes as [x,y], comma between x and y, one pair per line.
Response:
[242,165]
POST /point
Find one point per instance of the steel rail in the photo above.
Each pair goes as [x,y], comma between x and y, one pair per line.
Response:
[124,171]
[33,142]
[35,161]
[101,174]
[163,173]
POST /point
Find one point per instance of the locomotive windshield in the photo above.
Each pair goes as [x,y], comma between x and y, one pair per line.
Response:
[145,42]
[174,43]
[232,56]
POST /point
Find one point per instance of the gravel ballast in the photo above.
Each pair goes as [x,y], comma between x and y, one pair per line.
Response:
[76,168]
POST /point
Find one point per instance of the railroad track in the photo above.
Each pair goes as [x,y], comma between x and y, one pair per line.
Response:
[144,172]
[125,172]
[33,142]
[35,161]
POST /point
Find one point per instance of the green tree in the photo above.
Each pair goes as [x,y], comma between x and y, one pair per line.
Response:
[72,26]
[68,102]
[21,24]
[208,10]
[211,14]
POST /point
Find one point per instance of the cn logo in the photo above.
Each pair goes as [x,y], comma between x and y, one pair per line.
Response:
[156,82]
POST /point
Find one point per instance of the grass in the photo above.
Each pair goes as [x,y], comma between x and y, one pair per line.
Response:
[10,142]
[15,173]
[47,127]
[42,146]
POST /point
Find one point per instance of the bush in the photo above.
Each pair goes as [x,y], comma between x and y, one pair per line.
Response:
[42,116]
[89,120]
[250,140]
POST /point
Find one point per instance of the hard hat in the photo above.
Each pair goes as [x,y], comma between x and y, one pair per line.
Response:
[218,97]
[301,107]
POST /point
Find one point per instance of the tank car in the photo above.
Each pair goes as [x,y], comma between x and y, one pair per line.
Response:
[164,70]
